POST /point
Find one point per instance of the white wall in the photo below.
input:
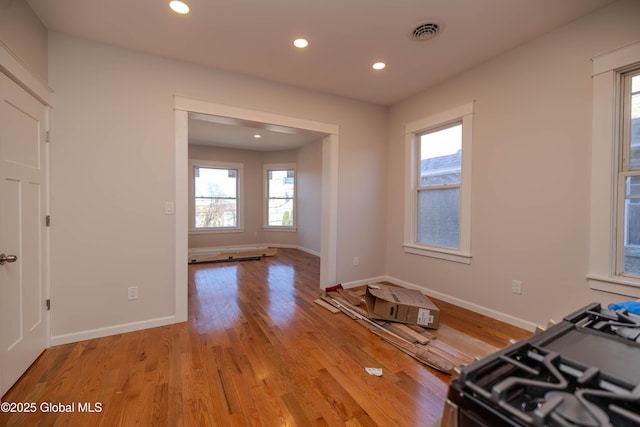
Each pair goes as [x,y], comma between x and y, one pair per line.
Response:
[309,191]
[112,166]
[531,163]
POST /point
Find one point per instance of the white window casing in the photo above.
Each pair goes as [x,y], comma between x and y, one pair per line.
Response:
[279,167]
[605,158]
[463,113]
[240,202]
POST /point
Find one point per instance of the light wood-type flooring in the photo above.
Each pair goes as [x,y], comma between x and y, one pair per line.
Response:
[255,351]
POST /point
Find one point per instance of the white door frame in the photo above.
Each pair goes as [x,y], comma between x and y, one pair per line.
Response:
[14,68]
[329,196]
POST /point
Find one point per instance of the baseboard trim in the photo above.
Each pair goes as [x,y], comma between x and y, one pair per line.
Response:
[111,330]
[309,251]
[214,249]
[363,282]
[503,317]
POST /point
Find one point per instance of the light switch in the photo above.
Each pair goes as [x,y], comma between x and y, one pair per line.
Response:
[169,208]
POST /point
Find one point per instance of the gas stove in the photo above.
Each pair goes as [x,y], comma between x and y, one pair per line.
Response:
[584,371]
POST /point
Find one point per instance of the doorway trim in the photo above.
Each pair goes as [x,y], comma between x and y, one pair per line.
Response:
[18,71]
[329,197]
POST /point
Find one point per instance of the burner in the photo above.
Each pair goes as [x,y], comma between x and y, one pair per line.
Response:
[568,407]
[582,372]
[618,322]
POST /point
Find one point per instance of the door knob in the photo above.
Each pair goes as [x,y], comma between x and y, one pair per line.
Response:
[7,258]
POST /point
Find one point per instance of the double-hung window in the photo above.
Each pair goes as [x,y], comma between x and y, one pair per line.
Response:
[614,240]
[438,198]
[216,194]
[280,192]
[438,187]
[628,238]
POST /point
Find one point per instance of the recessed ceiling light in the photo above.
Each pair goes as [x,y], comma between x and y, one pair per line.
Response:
[179,7]
[300,43]
[378,65]
[257,135]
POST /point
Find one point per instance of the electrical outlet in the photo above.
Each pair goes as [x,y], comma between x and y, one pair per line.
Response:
[356,260]
[516,287]
[132,293]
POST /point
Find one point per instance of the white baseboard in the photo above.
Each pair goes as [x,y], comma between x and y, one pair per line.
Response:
[111,330]
[503,317]
[169,320]
[217,249]
[363,282]
[309,251]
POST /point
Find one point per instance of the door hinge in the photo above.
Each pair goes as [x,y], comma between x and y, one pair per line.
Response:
[46,136]
[48,302]
[47,220]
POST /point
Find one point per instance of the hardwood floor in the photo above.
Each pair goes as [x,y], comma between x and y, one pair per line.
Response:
[256,351]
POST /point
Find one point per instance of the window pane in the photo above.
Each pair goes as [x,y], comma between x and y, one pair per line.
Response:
[632,226]
[210,182]
[281,183]
[216,202]
[281,212]
[439,217]
[281,193]
[635,123]
[441,156]
[214,212]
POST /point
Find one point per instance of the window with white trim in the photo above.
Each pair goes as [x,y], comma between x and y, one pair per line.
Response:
[438,195]
[628,238]
[215,195]
[438,187]
[614,240]
[280,196]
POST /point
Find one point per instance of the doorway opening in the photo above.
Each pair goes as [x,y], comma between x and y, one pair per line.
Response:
[219,112]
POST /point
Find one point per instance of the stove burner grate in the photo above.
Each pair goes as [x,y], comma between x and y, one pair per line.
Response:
[541,388]
[618,322]
[561,406]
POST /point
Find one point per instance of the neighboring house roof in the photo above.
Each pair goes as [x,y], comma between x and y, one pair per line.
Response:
[447,162]
[441,170]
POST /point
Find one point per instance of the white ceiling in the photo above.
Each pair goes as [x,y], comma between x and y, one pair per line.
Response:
[254,37]
[240,134]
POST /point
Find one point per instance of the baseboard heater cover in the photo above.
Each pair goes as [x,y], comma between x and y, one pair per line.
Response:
[202,255]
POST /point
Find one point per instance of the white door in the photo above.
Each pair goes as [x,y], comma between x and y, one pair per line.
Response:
[23,325]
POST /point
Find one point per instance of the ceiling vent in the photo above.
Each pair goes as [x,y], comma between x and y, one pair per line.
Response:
[426,31]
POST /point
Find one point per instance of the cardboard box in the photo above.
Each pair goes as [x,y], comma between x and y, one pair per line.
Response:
[401,305]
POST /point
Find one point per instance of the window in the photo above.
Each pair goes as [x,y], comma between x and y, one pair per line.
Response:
[216,191]
[438,187]
[280,191]
[614,240]
[438,202]
[628,241]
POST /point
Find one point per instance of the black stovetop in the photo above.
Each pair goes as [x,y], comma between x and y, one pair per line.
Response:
[584,371]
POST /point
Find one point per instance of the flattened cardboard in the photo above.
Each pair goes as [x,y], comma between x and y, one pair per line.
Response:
[401,305]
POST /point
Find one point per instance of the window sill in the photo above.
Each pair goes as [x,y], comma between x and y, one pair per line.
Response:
[449,255]
[285,229]
[615,285]
[215,230]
